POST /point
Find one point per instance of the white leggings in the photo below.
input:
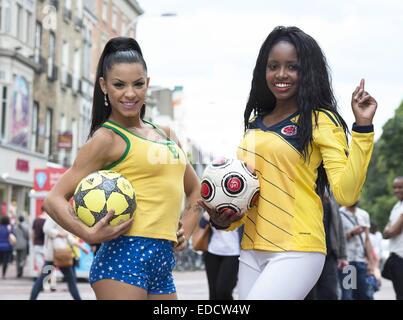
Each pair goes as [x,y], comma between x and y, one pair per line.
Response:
[265,275]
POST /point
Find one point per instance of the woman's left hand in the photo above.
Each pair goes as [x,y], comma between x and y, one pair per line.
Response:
[181,239]
[364,105]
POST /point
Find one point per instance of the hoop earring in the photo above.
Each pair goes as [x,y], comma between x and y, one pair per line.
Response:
[106,100]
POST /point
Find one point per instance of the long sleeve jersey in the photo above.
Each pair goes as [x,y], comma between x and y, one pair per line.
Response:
[289,213]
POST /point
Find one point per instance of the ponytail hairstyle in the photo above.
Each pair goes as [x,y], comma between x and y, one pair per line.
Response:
[117,50]
[314,90]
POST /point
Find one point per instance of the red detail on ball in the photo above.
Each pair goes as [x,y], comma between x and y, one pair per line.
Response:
[234,184]
[205,190]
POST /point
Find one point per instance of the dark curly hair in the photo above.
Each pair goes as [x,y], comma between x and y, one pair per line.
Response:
[314,90]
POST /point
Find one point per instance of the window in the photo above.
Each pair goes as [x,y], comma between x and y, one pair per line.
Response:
[67,4]
[35,126]
[74,147]
[79,8]
[38,42]
[6,10]
[65,61]
[62,129]
[20,22]
[48,132]
[76,71]
[3,113]
[52,53]
[114,19]
[105,10]
[28,28]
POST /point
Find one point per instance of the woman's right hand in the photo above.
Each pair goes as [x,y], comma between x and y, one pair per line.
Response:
[102,231]
[223,219]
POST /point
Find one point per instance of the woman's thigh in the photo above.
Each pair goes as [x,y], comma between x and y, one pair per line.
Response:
[288,276]
[108,289]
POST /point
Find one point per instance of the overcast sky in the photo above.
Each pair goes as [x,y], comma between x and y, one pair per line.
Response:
[210,48]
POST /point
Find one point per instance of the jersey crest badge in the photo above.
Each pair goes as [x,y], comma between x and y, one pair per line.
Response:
[290,130]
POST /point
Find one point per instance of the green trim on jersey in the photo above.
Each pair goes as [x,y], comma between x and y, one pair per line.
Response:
[128,146]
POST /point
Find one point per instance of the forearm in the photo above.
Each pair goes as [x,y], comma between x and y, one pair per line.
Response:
[63,214]
[191,215]
[348,182]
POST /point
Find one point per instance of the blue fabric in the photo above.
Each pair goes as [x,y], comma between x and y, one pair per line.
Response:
[4,235]
[362,291]
[143,262]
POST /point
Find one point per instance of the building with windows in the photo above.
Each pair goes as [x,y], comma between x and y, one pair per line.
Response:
[18,66]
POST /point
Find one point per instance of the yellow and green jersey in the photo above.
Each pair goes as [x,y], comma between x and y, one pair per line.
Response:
[289,214]
[156,170]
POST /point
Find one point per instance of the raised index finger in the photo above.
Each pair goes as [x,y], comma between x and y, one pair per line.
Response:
[362,84]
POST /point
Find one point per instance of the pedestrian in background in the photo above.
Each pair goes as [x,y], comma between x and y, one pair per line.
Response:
[394,232]
[356,224]
[57,238]
[7,241]
[222,261]
[21,232]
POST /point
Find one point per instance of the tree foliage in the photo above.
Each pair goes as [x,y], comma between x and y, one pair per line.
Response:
[386,163]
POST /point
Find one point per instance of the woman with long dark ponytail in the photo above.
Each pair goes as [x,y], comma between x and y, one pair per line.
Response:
[295,139]
[136,259]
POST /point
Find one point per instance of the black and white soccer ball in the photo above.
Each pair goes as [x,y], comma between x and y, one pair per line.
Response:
[229,186]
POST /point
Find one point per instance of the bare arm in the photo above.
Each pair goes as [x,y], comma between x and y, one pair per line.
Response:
[102,149]
[395,229]
[191,215]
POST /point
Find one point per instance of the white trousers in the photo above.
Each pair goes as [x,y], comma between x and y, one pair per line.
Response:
[265,275]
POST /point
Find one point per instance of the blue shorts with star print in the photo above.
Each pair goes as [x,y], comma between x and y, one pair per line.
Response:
[143,262]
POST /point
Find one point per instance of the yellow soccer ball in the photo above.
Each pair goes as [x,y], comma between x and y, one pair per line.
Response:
[101,191]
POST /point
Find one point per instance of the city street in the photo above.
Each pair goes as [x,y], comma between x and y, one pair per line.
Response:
[191,285]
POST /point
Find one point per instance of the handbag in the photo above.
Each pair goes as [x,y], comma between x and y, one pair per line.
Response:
[63,257]
[12,239]
[201,238]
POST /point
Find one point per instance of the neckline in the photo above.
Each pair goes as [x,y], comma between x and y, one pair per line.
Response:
[166,142]
[265,128]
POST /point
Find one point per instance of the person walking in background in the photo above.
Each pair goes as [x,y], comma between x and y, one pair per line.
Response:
[57,238]
[222,261]
[356,224]
[38,240]
[296,141]
[7,240]
[394,232]
[21,232]
[327,287]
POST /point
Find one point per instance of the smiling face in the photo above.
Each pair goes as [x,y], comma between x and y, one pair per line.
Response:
[398,188]
[282,72]
[126,86]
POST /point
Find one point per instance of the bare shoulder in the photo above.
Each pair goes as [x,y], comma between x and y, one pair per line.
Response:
[170,134]
[101,149]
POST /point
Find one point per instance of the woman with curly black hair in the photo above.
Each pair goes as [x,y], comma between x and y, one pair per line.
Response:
[296,141]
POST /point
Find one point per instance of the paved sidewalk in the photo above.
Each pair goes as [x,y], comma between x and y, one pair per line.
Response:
[191,285]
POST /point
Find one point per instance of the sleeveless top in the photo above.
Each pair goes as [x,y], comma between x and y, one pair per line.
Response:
[156,170]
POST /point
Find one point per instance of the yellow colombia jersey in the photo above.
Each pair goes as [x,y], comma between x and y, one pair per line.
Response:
[156,171]
[289,214]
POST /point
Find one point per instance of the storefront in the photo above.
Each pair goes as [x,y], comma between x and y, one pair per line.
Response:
[17,167]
